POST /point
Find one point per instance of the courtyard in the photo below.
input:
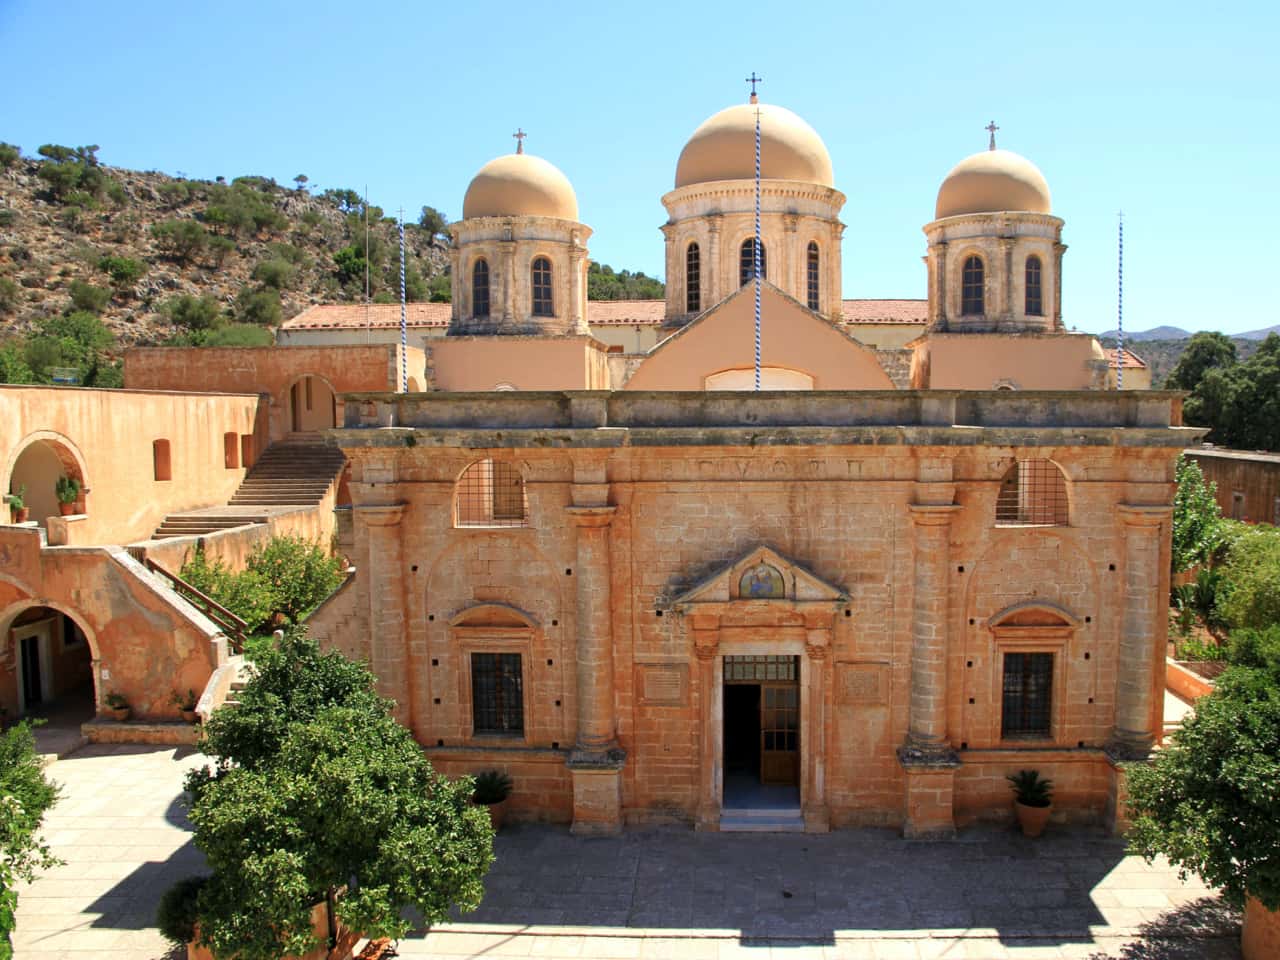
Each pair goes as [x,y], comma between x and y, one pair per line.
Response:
[663,893]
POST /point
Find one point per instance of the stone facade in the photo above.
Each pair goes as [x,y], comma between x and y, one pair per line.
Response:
[624,590]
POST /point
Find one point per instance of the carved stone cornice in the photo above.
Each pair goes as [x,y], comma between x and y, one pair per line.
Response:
[591,516]
[381,515]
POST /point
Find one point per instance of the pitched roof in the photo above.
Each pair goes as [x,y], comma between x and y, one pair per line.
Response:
[1131,361]
[355,316]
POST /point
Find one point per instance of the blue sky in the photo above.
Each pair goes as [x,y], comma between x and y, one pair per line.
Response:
[1168,111]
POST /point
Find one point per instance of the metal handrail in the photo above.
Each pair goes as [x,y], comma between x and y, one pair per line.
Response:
[235,628]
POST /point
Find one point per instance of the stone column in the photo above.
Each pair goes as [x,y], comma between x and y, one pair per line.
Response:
[938,292]
[1058,250]
[457,282]
[1141,631]
[817,817]
[793,261]
[508,278]
[1008,309]
[927,758]
[713,283]
[388,643]
[675,273]
[706,647]
[577,281]
[596,760]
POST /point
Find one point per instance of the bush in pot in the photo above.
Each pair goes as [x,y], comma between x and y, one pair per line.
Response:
[18,509]
[492,787]
[1032,800]
[67,490]
[117,706]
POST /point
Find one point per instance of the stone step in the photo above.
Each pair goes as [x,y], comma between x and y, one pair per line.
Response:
[761,821]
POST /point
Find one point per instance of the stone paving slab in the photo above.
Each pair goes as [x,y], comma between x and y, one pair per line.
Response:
[671,893]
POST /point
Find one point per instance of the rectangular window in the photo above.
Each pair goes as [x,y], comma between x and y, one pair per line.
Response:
[497,693]
[230,451]
[1028,694]
[1237,505]
[160,460]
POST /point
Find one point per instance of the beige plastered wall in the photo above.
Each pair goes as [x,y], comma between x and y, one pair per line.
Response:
[520,363]
[792,338]
[979,361]
[107,437]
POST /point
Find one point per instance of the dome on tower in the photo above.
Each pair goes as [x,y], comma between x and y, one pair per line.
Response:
[520,185]
[990,182]
[723,148]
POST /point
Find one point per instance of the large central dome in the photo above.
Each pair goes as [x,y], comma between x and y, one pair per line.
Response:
[723,148]
[520,185]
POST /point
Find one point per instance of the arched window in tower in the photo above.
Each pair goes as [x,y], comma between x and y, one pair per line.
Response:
[747,262]
[480,289]
[543,305]
[972,297]
[693,279]
[812,276]
[1035,301]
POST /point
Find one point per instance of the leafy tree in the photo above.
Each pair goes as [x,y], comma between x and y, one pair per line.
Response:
[603,283]
[1209,802]
[242,208]
[441,291]
[317,788]
[175,192]
[301,181]
[433,221]
[219,248]
[25,797]
[1252,575]
[87,297]
[123,271]
[72,174]
[1196,516]
[182,240]
[260,307]
[194,313]
[351,264]
[1239,402]
[345,200]
[238,335]
[9,154]
[80,327]
[13,365]
[10,295]
[277,274]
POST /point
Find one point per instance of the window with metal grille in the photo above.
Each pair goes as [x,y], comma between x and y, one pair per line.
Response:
[497,693]
[1028,695]
[972,288]
[542,302]
[693,279]
[480,289]
[755,669]
[490,493]
[1035,304]
[813,276]
[1033,494]
[747,262]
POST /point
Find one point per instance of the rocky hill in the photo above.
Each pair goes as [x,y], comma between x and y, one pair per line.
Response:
[1162,355]
[127,246]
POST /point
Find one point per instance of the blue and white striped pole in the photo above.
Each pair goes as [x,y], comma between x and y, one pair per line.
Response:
[1120,309]
[757,243]
[404,323]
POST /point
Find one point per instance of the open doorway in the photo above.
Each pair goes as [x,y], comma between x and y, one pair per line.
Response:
[313,405]
[761,733]
[51,669]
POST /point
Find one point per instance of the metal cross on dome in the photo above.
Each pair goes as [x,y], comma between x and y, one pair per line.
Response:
[991,128]
[519,135]
[753,80]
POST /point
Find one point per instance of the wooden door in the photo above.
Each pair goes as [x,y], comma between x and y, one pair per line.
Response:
[780,733]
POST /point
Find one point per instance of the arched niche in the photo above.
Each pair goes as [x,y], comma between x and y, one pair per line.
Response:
[48,661]
[313,404]
[37,463]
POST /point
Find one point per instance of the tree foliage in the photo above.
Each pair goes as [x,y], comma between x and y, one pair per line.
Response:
[1205,351]
[73,175]
[604,284]
[1239,402]
[1196,516]
[181,240]
[259,307]
[1209,802]
[316,789]
[9,155]
[1251,597]
[123,271]
[87,297]
[433,221]
[25,797]
[193,313]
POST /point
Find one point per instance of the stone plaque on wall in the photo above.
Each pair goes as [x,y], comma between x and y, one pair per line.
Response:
[661,684]
[862,683]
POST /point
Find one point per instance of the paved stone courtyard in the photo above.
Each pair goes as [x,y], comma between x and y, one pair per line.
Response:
[658,893]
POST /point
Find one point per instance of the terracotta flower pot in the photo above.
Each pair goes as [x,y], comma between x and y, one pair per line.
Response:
[20,516]
[497,814]
[1032,819]
[117,713]
[190,716]
[66,509]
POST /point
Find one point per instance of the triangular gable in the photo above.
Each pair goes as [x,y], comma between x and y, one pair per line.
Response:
[792,338]
[749,577]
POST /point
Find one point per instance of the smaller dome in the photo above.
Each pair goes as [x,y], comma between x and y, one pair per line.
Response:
[990,182]
[520,185]
[724,148]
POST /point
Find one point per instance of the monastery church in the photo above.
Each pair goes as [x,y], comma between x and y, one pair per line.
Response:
[932,549]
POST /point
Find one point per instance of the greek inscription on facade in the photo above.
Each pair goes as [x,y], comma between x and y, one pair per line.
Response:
[863,683]
[662,684]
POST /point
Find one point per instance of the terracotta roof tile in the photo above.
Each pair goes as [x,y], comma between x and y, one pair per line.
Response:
[885,311]
[626,311]
[342,316]
[1131,361]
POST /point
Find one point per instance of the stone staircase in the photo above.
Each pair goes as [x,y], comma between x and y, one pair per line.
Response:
[761,820]
[296,473]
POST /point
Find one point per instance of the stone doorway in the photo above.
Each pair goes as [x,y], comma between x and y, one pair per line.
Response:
[761,728]
[52,668]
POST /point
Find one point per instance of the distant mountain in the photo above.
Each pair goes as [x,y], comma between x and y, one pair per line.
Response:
[1258,334]
[1155,333]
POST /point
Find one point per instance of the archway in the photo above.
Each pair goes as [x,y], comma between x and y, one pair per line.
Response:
[313,404]
[42,459]
[46,666]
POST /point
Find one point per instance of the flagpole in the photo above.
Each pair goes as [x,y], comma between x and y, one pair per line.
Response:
[1120,308]
[757,252]
[404,325]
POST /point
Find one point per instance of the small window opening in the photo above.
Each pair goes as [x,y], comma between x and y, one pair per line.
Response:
[1035,302]
[480,288]
[1033,493]
[747,262]
[543,305]
[160,460]
[972,288]
[693,279]
[1027,694]
[813,277]
[491,493]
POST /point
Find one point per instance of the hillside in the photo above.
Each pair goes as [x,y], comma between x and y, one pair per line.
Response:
[262,251]
[1162,355]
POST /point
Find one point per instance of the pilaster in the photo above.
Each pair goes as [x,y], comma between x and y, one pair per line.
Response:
[713,270]
[388,644]
[706,648]
[817,815]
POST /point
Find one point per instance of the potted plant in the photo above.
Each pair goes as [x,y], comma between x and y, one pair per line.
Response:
[186,704]
[117,707]
[17,505]
[1032,800]
[177,913]
[67,490]
[491,790]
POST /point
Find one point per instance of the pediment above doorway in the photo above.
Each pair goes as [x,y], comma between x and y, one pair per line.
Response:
[761,575]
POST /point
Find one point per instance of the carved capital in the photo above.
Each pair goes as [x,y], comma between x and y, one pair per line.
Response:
[816,651]
[1145,515]
[591,516]
[933,514]
[706,644]
[381,515]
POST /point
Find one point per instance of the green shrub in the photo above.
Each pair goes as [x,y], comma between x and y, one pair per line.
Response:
[492,786]
[25,796]
[240,208]
[277,274]
[10,295]
[178,911]
[219,248]
[182,240]
[239,335]
[1197,519]
[73,175]
[13,366]
[175,192]
[80,327]
[87,297]
[351,264]
[259,307]
[8,216]
[9,154]
[194,313]
[123,271]
[1250,596]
